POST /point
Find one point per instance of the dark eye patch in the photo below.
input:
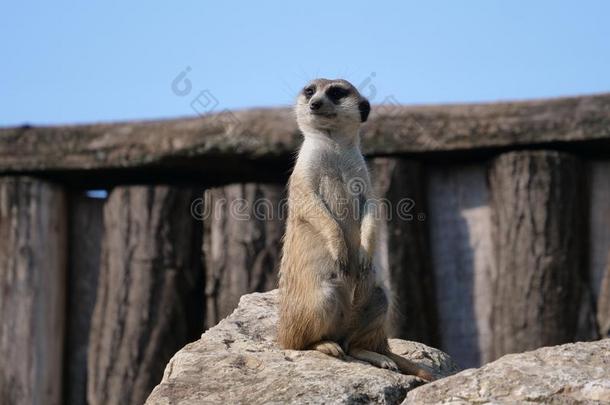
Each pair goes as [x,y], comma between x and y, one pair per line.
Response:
[336,93]
[309,91]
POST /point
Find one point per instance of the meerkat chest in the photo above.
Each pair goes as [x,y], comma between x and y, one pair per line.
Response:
[342,180]
[343,185]
[339,176]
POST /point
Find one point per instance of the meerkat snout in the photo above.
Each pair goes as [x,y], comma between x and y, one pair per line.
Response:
[315,105]
[331,106]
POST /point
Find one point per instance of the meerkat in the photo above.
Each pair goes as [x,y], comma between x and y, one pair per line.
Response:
[331,296]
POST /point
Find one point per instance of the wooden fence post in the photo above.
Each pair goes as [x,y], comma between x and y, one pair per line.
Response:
[244,224]
[462,258]
[32,290]
[599,250]
[603,304]
[539,217]
[85,233]
[404,249]
[150,293]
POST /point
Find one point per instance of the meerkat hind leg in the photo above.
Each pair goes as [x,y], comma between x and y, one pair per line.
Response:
[376,359]
[329,347]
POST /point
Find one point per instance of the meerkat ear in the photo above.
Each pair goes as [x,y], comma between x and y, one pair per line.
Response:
[365,109]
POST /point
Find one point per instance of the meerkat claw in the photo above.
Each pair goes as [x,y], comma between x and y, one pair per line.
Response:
[330,348]
[389,364]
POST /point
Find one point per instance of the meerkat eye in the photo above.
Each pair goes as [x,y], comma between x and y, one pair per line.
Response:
[337,93]
[309,91]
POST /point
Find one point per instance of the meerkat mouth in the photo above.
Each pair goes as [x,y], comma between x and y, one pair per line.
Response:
[324,115]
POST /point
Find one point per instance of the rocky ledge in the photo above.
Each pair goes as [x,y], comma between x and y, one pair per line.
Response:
[577,373]
[238,361]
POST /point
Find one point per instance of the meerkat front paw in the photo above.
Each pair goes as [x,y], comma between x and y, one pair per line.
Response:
[365,259]
[338,251]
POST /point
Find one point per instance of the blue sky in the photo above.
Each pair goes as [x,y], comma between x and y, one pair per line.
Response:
[74,62]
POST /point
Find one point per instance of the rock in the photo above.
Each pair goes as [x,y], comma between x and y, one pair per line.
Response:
[238,361]
[566,374]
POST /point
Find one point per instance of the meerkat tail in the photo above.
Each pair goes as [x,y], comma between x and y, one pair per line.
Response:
[408,367]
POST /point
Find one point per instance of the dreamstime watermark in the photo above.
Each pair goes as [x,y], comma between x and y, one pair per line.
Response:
[204,103]
[264,209]
[352,206]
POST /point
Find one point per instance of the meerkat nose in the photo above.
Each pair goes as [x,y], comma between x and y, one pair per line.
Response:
[315,105]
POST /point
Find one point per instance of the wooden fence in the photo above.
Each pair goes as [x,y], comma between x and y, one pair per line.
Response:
[498,239]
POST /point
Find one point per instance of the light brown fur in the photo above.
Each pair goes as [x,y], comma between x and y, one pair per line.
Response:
[330,297]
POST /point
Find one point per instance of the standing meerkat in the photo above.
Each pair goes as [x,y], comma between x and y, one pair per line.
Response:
[331,297]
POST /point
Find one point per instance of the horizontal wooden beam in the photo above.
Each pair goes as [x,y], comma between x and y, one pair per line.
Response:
[242,141]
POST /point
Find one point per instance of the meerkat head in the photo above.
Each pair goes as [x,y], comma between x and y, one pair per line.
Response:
[331,107]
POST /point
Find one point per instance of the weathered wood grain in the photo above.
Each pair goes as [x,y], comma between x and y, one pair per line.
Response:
[244,224]
[599,247]
[403,253]
[459,218]
[150,292]
[86,230]
[603,304]
[249,137]
[32,288]
[539,231]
